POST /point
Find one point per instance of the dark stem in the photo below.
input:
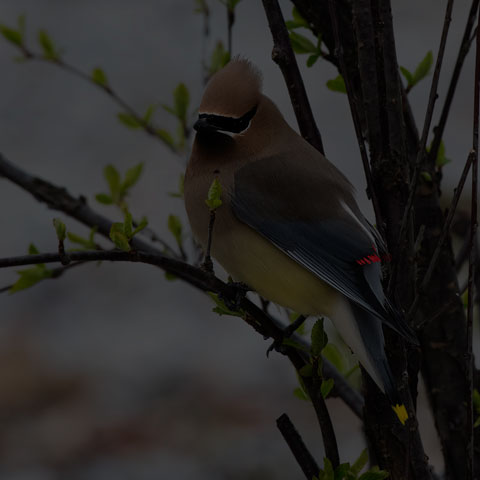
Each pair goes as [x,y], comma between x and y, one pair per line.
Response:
[426,128]
[295,442]
[443,236]
[207,262]
[472,261]
[283,56]
[452,87]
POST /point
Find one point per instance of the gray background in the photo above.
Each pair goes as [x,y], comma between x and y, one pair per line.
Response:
[113,372]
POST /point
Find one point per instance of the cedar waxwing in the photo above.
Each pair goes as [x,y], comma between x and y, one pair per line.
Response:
[289,226]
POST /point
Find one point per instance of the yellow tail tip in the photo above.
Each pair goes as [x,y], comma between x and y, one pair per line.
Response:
[401,412]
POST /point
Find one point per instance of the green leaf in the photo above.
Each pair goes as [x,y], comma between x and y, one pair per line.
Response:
[131,177]
[441,159]
[141,225]
[214,197]
[29,277]
[407,74]
[326,387]
[99,77]
[301,44]
[33,250]
[166,138]
[222,309]
[319,338]
[342,471]
[21,22]
[118,237]
[476,400]
[60,229]
[426,176]
[181,98]
[148,114]
[360,463]
[337,84]
[47,45]
[423,68]
[328,473]
[374,474]
[181,136]
[74,238]
[297,17]
[334,356]
[128,225]
[128,120]
[175,228]
[104,198]
[299,393]
[220,57]
[113,179]
[289,342]
[306,370]
[11,35]
[312,59]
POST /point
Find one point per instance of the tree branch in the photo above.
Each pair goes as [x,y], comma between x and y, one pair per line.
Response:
[283,56]
[297,446]
[59,199]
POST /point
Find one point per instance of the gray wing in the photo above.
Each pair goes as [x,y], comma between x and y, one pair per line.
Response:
[329,248]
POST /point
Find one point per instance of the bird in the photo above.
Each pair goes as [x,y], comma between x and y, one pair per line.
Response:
[289,226]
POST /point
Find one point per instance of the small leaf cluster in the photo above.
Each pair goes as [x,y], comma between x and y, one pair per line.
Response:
[118,187]
[83,243]
[441,159]
[420,72]
[300,43]
[176,229]
[30,276]
[221,307]
[15,36]
[319,341]
[219,58]
[214,196]
[122,232]
[345,471]
[337,84]
[179,109]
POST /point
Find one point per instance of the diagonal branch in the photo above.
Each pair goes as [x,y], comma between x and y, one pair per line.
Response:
[59,199]
[283,55]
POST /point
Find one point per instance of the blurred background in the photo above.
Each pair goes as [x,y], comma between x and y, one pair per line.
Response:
[112,371]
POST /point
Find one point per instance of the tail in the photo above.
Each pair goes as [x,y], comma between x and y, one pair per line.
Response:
[370,328]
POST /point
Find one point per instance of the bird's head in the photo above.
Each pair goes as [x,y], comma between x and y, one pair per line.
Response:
[230,100]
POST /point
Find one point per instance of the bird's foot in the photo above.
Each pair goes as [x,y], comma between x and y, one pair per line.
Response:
[286,333]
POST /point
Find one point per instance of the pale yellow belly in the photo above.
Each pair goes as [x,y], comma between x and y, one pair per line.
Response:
[251,259]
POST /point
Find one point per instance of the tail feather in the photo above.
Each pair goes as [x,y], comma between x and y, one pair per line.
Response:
[370,329]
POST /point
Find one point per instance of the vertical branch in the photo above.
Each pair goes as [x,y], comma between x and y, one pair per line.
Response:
[426,125]
[284,57]
[354,109]
[472,259]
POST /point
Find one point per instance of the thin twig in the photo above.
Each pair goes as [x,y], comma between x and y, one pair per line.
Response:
[452,87]
[472,259]
[426,128]
[283,56]
[207,262]
[295,442]
[107,88]
[59,199]
[443,236]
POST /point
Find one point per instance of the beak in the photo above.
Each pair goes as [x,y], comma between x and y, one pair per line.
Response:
[202,125]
